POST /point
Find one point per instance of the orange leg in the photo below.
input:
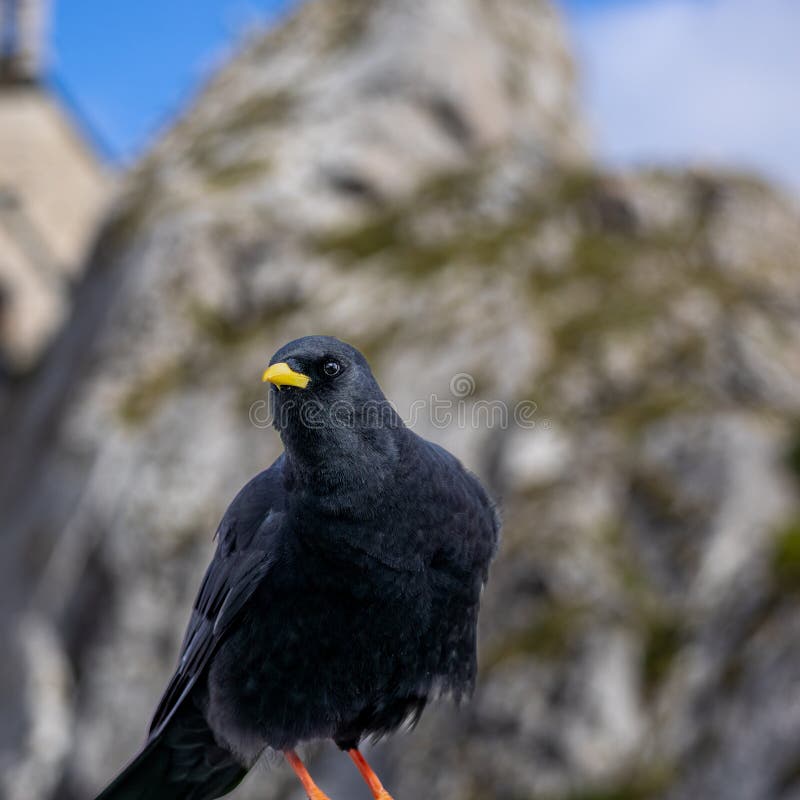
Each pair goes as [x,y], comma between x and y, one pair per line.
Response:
[376,787]
[312,790]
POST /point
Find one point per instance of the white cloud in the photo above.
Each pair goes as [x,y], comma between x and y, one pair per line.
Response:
[697,81]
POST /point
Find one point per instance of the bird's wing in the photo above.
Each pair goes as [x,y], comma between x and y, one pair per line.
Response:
[246,550]
[469,525]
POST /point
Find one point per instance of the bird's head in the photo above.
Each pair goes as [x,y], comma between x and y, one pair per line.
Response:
[327,404]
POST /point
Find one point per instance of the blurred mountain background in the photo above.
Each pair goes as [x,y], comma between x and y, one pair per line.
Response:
[416,177]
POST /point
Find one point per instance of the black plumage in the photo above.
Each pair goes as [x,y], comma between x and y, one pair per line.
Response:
[343,594]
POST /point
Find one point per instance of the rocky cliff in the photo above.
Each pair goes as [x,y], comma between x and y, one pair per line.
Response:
[617,355]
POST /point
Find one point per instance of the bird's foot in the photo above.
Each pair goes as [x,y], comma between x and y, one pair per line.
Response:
[312,790]
[371,779]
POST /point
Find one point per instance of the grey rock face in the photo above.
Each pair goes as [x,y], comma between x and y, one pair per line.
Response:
[616,355]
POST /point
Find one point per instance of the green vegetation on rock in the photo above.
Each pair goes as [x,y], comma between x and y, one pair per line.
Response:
[400,235]
[233,330]
[233,175]
[663,638]
[548,637]
[261,109]
[793,453]
[786,557]
[645,784]
[147,394]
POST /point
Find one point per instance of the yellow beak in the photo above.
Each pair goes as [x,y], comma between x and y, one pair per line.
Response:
[283,375]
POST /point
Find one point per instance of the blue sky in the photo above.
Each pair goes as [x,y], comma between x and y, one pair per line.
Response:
[667,81]
[127,67]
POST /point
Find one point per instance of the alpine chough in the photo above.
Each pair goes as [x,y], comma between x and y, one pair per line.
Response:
[343,594]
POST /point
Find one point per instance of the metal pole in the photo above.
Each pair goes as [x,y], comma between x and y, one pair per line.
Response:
[22,39]
[31,35]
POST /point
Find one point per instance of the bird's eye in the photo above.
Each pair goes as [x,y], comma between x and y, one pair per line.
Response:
[331,368]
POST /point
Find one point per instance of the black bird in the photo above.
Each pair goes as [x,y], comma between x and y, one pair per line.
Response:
[343,594]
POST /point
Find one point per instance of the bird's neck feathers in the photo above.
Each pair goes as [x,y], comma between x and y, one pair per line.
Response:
[346,464]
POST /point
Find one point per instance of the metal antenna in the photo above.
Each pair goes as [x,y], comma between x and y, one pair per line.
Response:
[22,40]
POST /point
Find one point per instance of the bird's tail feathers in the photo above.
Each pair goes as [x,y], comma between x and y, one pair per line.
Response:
[183,762]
